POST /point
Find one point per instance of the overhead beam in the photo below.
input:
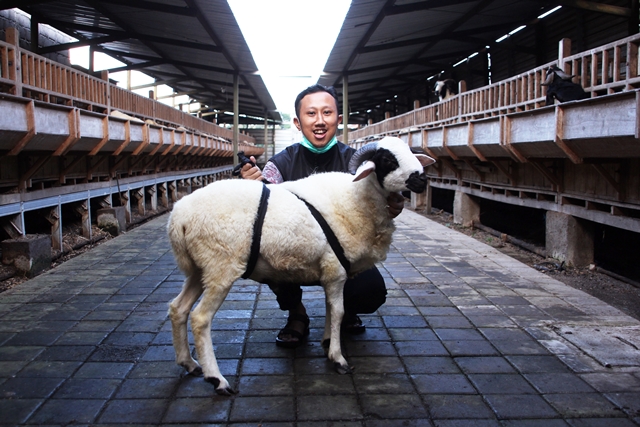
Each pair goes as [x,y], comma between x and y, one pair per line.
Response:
[153,7]
[594,7]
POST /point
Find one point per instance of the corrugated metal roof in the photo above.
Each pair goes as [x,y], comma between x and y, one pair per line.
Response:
[195,46]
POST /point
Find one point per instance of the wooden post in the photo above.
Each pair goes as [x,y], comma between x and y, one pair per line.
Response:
[104,75]
[15,68]
[564,50]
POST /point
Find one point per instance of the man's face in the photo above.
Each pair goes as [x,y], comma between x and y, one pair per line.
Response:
[319,118]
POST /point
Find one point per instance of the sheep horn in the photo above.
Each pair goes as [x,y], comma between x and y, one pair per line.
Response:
[362,155]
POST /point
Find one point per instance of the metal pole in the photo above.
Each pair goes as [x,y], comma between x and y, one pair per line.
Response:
[345,109]
[266,135]
[236,118]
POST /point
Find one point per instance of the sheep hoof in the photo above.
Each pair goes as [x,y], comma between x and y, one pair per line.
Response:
[226,391]
[222,391]
[343,369]
[195,372]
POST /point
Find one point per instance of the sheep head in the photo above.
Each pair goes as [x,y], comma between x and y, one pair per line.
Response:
[395,166]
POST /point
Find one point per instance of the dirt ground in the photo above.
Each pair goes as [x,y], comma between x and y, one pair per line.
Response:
[617,293]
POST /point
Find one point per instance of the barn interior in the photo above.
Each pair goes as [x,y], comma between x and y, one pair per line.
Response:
[564,178]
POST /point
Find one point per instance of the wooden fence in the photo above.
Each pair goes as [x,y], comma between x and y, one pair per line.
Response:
[24,73]
[604,70]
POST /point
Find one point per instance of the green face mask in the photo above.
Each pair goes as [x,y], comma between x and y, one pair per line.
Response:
[309,146]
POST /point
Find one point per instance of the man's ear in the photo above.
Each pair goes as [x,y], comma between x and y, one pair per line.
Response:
[339,118]
[296,123]
[364,171]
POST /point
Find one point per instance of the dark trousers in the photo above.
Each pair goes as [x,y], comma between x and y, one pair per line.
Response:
[363,294]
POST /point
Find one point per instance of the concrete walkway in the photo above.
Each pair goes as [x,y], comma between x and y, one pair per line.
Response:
[468,337]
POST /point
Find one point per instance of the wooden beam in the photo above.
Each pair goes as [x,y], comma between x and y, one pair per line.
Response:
[559,141]
[127,138]
[25,179]
[478,154]
[475,169]
[70,166]
[448,163]
[556,181]
[105,137]
[607,176]
[74,133]
[445,132]
[93,167]
[505,171]
[31,130]
[505,140]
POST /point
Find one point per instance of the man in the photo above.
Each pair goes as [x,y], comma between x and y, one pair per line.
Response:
[318,118]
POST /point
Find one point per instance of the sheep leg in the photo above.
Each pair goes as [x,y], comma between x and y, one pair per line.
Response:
[201,317]
[333,321]
[179,310]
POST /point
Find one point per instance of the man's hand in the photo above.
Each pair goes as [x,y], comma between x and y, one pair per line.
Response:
[251,172]
[395,204]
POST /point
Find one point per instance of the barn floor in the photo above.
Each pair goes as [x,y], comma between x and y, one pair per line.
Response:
[468,337]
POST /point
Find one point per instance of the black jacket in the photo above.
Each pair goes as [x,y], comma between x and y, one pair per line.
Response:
[297,162]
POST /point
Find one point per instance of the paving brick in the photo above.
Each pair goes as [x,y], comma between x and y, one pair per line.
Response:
[134,411]
[264,408]
[447,406]
[464,340]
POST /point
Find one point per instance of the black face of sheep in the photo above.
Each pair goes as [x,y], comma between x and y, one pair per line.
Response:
[387,166]
[560,87]
[445,89]
[386,162]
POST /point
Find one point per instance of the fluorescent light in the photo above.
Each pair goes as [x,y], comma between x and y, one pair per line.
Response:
[512,32]
[460,62]
[502,38]
[472,55]
[549,12]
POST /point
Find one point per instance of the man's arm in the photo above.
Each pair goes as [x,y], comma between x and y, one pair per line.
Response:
[271,174]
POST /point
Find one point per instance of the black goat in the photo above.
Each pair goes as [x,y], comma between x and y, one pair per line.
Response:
[560,87]
[445,89]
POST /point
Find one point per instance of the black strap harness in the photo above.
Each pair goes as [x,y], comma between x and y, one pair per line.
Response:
[257,233]
[330,235]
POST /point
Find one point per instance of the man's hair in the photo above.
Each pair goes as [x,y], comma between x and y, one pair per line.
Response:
[313,89]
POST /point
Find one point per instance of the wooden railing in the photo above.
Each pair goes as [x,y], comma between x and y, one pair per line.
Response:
[24,73]
[604,70]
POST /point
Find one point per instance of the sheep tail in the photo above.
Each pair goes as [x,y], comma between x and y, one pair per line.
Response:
[179,244]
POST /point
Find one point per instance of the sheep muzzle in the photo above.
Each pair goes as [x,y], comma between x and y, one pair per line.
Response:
[417,182]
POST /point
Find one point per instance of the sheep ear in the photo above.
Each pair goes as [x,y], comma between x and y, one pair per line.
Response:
[364,171]
[425,160]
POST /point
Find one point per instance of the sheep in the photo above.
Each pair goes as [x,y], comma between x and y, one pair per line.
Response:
[121,115]
[445,89]
[210,233]
[560,87]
